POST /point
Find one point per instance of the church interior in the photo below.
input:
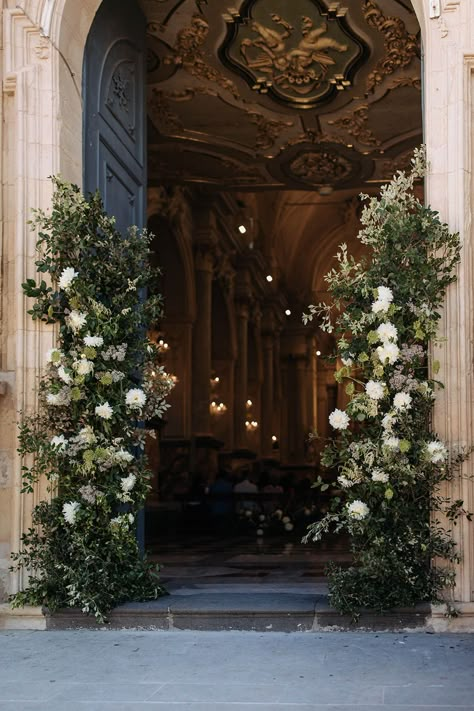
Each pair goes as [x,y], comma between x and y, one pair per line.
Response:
[265,124]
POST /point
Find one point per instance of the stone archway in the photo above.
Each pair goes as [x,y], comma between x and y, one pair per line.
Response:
[43,52]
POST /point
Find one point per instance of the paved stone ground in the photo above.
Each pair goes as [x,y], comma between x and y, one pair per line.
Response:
[235,671]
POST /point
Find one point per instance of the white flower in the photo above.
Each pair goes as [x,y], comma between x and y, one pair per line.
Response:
[425,389]
[348,362]
[121,455]
[54,399]
[86,435]
[59,442]
[285,519]
[135,398]
[437,452]
[104,411]
[388,352]
[380,306]
[76,320]
[345,482]
[64,375]
[388,421]
[128,483]
[93,341]
[70,510]
[288,526]
[83,366]
[379,475]
[387,332]
[339,420]
[131,518]
[384,294]
[67,277]
[259,531]
[54,356]
[402,401]
[374,389]
[392,443]
[358,510]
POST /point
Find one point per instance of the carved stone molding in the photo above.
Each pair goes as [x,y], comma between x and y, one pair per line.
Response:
[301,59]
[355,123]
[321,168]
[189,54]
[400,46]
[268,130]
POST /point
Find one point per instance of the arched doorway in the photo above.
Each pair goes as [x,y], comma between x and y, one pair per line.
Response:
[273,152]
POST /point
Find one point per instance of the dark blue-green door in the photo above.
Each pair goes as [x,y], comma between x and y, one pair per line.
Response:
[114,118]
[114,76]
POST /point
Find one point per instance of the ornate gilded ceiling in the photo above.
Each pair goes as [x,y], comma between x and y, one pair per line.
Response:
[300,94]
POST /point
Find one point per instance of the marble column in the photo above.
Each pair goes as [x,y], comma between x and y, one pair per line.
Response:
[202,340]
[301,410]
[241,374]
[267,410]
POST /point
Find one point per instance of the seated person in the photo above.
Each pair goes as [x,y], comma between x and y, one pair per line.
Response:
[246,485]
[220,495]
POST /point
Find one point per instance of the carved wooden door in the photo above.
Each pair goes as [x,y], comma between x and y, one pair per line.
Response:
[114,118]
[114,111]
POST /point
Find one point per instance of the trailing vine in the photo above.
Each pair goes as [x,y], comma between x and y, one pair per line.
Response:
[101,382]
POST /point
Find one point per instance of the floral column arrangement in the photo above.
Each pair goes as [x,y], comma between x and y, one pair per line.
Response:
[389,464]
[101,380]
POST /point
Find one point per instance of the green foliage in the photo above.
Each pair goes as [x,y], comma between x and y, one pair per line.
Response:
[390,465]
[101,381]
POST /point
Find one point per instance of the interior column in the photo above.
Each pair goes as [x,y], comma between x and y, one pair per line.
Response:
[202,334]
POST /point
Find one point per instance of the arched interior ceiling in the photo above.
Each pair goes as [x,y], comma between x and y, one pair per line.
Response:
[274,94]
[293,107]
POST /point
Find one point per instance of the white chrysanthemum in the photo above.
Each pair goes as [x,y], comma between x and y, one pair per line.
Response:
[388,353]
[104,411]
[402,401]
[83,366]
[128,483]
[64,375]
[345,482]
[135,398]
[392,443]
[374,389]
[380,306]
[387,332]
[289,526]
[59,442]
[131,518]
[379,475]
[348,362]
[437,452]
[93,341]
[70,510]
[384,294]
[121,455]
[76,320]
[67,277]
[86,435]
[358,510]
[389,421]
[285,519]
[54,356]
[339,420]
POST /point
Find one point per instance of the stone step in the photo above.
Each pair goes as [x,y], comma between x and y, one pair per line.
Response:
[227,609]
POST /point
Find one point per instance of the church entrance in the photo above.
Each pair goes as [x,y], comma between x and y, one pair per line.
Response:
[264,124]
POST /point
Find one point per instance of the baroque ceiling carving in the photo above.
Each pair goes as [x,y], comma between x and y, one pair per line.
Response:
[258,94]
